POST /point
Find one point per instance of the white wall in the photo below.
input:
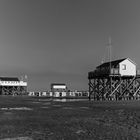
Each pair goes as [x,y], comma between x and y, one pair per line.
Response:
[130,68]
[13,83]
[57,94]
[59,86]
[51,94]
[64,93]
[31,93]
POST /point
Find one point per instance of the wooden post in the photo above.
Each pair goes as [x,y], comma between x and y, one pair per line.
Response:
[89,96]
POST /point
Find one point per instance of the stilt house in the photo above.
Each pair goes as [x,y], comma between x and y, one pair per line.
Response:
[12,86]
[115,80]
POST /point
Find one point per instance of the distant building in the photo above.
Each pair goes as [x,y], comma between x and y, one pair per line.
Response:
[78,93]
[81,93]
[58,90]
[71,93]
[40,93]
[31,93]
[12,86]
[44,93]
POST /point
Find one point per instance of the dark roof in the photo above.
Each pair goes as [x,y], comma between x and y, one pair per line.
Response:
[9,79]
[59,84]
[113,63]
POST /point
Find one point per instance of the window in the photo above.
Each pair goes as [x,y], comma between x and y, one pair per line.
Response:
[123,67]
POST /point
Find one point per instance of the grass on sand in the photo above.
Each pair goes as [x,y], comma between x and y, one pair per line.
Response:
[28,118]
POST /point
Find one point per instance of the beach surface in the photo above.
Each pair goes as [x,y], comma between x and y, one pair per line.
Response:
[35,118]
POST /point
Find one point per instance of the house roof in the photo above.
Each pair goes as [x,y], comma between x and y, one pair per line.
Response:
[113,63]
[58,84]
[9,79]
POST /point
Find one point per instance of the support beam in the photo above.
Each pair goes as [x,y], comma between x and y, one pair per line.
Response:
[114,88]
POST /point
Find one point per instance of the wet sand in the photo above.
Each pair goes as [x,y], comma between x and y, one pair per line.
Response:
[34,119]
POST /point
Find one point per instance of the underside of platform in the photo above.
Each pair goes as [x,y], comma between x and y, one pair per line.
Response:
[13,90]
[113,87]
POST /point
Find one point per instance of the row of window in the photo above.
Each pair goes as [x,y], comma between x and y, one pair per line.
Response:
[12,82]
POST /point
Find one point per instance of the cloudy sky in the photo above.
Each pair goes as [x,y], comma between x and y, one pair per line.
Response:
[62,40]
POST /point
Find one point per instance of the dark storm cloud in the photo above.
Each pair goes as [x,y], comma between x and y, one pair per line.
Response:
[61,40]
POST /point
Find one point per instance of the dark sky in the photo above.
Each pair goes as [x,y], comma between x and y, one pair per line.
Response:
[62,40]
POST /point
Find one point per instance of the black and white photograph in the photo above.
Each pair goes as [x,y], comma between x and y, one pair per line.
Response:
[69,69]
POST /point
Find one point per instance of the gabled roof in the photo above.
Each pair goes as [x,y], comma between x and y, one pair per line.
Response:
[9,79]
[113,63]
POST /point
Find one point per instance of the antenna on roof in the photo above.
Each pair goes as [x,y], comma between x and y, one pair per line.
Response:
[102,61]
[110,57]
[110,51]
[21,78]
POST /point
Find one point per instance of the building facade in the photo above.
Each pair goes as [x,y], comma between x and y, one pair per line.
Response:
[59,90]
[122,67]
[12,86]
[115,80]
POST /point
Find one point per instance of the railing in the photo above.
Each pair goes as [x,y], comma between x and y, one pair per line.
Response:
[100,72]
[115,71]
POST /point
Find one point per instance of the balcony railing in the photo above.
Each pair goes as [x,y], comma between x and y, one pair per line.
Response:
[102,72]
[115,71]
